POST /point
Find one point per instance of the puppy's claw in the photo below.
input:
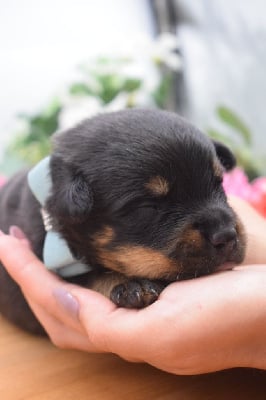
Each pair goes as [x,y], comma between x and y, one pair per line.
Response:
[136,293]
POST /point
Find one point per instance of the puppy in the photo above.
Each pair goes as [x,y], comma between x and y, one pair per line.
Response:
[137,197]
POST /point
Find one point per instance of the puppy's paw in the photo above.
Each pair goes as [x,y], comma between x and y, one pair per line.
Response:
[136,293]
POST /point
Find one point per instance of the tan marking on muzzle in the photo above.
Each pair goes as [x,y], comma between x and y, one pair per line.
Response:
[192,238]
[139,261]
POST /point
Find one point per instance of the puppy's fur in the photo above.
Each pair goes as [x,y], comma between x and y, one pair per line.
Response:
[138,196]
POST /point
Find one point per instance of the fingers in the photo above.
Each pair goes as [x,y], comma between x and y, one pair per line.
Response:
[38,284]
[16,232]
[58,305]
[116,330]
[72,316]
[61,335]
[68,305]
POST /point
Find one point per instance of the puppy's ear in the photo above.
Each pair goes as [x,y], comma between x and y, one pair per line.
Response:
[71,198]
[75,200]
[225,156]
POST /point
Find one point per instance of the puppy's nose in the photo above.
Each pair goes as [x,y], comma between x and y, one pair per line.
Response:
[224,237]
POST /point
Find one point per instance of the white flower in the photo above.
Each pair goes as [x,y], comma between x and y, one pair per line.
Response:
[162,50]
[118,103]
[141,98]
[77,108]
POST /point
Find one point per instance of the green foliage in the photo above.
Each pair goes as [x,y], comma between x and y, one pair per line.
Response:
[234,121]
[34,143]
[104,79]
[80,89]
[162,91]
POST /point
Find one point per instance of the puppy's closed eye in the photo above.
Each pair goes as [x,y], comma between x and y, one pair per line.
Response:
[150,206]
[139,209]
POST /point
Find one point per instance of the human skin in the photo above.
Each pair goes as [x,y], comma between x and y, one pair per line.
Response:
[196,326]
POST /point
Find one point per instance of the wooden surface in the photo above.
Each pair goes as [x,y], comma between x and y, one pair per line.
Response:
[33,369]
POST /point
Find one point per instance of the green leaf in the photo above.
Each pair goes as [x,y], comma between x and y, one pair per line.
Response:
[221,137]
[130,85]
[111,86]
[80,89]
[235,122]
[247,161]
[53,107]
[162,92]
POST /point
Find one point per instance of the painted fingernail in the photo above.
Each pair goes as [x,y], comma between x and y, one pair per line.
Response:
[16,232]
[67,301]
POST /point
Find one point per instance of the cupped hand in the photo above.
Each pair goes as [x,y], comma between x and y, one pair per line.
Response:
[207,324]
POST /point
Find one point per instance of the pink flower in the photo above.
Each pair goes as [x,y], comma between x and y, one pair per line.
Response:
[2,180]
[236,183]
[258,199]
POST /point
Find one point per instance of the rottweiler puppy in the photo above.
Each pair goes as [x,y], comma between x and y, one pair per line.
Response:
[137,195]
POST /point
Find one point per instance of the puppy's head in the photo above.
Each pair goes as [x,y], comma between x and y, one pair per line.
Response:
[140,192]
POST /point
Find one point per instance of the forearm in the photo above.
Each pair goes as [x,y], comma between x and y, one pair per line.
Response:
[256,332]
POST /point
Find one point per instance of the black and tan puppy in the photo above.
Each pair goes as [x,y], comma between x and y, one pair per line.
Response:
[138,196]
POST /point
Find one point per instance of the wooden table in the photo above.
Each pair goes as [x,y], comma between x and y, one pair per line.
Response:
[33,369]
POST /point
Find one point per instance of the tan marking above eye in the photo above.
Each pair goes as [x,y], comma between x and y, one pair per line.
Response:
[104,237]
[158,186]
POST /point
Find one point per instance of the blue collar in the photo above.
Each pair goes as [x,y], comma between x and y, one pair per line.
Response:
[56,253]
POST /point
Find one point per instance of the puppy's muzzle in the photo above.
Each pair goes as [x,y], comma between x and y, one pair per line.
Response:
[213,238]
[219,229]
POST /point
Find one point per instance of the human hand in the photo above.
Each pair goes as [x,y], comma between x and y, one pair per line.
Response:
[255,227]
[207,324]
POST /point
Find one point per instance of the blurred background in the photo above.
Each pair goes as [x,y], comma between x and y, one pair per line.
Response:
[65,60]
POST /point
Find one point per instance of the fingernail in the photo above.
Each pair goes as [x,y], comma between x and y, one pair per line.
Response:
[16,232]
[67,301]
[2,233]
